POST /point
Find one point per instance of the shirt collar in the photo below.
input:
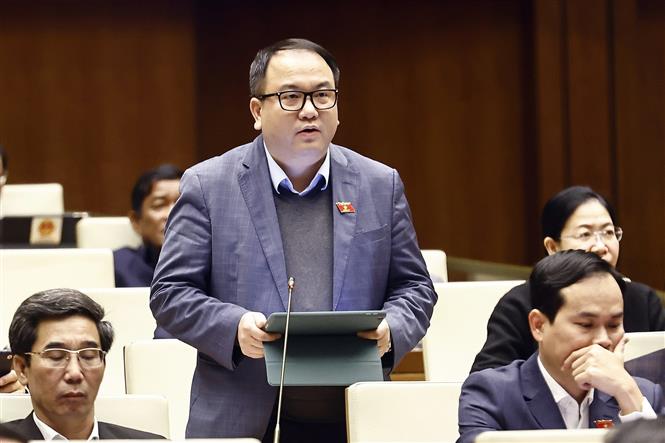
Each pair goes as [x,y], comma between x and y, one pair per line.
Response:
[279,177]
[557,390]
[51,434]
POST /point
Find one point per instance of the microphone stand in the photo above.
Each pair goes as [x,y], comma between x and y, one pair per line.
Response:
[291,284]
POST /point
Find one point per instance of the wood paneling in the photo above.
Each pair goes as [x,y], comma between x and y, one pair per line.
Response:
[640,132]
[94,93]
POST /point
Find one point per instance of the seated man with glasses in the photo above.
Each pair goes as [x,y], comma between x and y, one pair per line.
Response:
[289,204]
[59,341]
[575,218]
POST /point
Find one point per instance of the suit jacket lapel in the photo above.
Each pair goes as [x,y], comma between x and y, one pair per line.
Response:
[28,429]
[538,397]
[256,188]
[344,178]
[603,407]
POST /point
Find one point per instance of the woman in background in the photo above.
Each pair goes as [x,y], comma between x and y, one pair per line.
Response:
[575,218]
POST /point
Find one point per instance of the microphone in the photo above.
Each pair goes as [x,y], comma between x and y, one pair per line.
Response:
[291,284]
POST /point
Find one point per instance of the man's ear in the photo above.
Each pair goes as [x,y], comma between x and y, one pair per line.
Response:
[255,108]
[551,245]
[21,368]
[537,323]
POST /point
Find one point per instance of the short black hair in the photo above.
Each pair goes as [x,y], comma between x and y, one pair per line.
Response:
[259,66]
[54,303]
[559,208]
[565,268]
[143,186]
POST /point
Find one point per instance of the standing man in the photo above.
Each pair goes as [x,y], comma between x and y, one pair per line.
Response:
[576,379]
[290,203]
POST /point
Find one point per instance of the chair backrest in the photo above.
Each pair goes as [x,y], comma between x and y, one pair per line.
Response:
[128,310]
[544,436]
[24,272]
[32,199]
[642,343]
[147,413]
[162,367]
[106,232]
[458,327]
[408,411]
[435,260]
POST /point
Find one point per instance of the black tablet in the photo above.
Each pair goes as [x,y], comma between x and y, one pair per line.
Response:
[325,322]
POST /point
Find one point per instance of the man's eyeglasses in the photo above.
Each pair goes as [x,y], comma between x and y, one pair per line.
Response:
[89,358]
[295,100]
[605,235]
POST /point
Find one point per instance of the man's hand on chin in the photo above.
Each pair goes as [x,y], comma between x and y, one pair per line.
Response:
[597,367]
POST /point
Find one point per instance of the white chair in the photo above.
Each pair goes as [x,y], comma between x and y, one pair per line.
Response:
[544,436]
[147,413]
[458,327]
[409,411]
[106,232]
[162,367]
[24,272]
[435,260]
[128,310]
[642,343]
[32,199]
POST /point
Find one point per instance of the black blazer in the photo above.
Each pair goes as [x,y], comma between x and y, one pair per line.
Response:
[509,337]
[107,431]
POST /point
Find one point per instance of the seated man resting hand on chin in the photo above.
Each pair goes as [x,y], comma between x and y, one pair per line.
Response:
[576,379]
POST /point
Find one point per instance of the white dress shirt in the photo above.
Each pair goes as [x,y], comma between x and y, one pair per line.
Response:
[278,176]
[51,434]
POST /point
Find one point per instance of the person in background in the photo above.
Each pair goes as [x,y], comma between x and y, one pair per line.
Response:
[576,379]
[575,218]
[59,339]
[4,168]
[153,196]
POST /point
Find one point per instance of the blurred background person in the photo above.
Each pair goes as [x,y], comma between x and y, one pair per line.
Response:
[153,196]
[3,167]
[575,218]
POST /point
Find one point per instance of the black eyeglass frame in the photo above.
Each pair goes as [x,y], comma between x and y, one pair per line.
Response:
[304,100]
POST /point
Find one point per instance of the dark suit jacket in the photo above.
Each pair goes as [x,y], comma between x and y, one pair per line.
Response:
[516,397]
[509,337]
[134,267]
[107,431]
[223,256]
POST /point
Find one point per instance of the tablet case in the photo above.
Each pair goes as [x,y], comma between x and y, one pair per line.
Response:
[323,348]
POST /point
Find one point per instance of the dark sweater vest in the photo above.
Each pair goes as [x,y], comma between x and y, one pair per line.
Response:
[306,225]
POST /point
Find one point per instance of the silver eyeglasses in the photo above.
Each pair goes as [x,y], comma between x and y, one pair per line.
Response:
[295,100]
[605,235]
[88,358]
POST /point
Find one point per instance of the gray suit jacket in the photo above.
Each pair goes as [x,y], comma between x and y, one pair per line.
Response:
[516,397]
[223,256]
[27,428]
